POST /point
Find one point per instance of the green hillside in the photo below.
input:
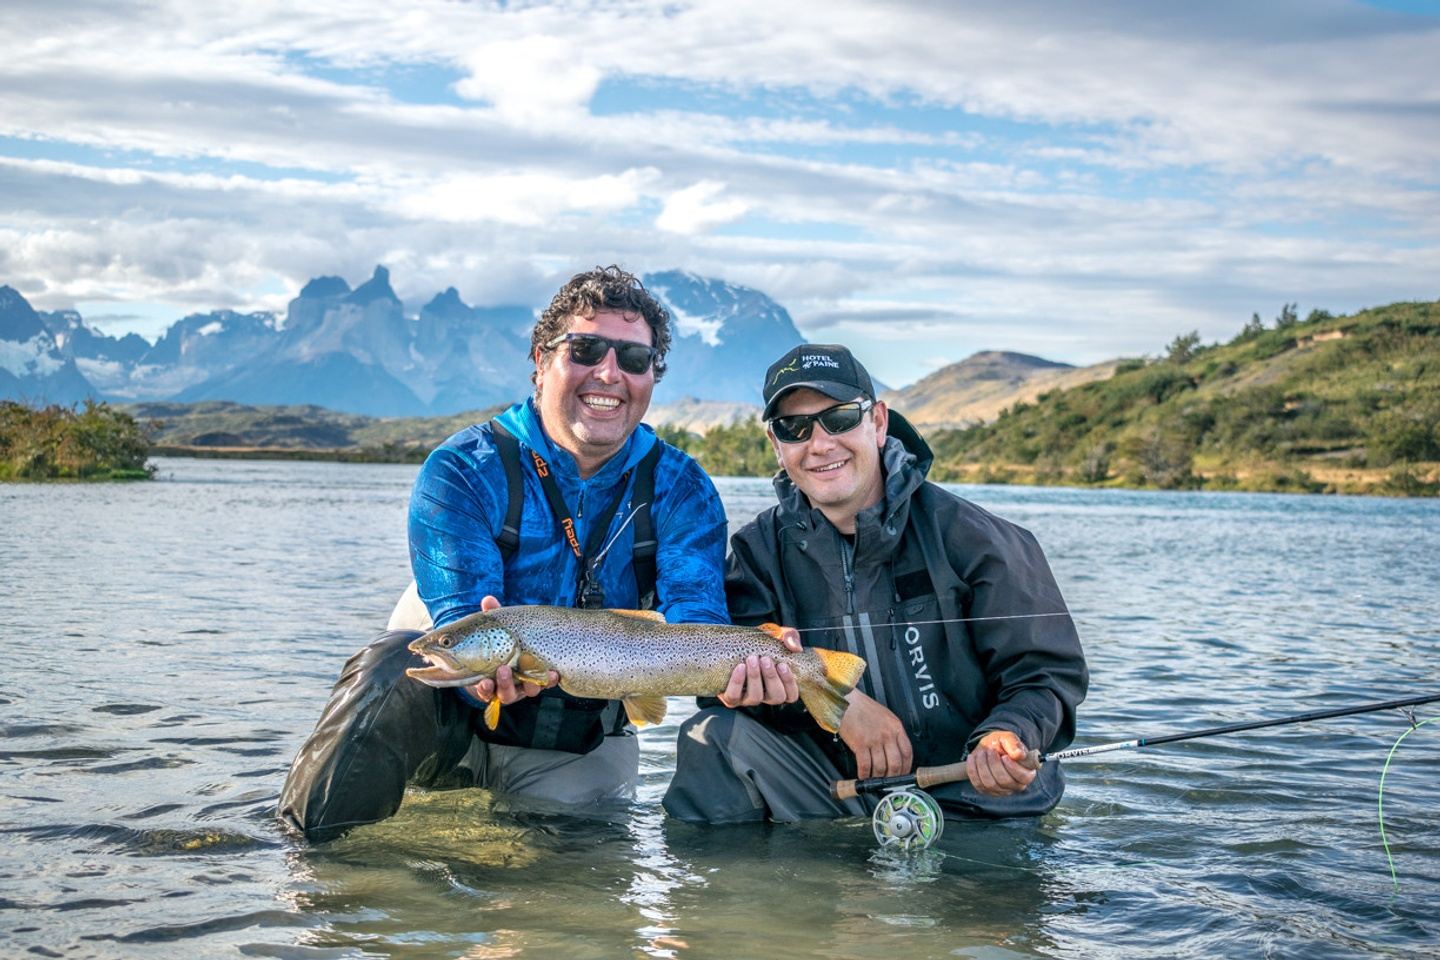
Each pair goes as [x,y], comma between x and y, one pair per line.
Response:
[1328,404]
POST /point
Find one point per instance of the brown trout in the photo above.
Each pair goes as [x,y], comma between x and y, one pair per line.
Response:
[628,655]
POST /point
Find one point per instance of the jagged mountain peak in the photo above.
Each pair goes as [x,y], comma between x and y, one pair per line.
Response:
[446,302]
[18,320]
[321,288]
[354,349]
[376,288]
[12,299]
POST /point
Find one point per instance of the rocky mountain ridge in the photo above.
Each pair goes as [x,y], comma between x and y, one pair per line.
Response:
[357,350]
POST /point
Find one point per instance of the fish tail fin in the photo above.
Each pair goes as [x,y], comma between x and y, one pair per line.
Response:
[841,669]
[825,699]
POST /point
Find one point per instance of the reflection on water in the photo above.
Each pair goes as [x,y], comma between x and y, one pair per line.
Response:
[170,644]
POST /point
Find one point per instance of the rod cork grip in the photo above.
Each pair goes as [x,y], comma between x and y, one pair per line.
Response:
[949,773]
[844,790]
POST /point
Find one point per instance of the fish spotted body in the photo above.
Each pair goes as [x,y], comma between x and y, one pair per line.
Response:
[627,655]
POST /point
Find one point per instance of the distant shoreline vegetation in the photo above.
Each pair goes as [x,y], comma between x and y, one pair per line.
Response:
[97,442]
[1347,405]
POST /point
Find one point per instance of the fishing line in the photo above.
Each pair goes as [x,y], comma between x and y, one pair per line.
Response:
[922,623]
[1380,799]
[615,536]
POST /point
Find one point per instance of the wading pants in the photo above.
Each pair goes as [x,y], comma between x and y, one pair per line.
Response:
[382,730]
[731,768]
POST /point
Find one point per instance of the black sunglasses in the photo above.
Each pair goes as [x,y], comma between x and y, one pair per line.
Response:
[588,349]
[841,418]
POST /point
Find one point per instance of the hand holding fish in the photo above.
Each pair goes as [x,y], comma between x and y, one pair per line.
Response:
[503,684]
[877,738]
[995,765]
[759,679]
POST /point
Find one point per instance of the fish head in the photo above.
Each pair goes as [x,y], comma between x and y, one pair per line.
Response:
[464,652]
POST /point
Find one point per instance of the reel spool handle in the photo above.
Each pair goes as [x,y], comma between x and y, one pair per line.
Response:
[922,777]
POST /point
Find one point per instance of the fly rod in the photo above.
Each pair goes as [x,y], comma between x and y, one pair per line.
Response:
[952,772]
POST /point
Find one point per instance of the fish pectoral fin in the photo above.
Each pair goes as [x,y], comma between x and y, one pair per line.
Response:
[492,713]
[531,669]
[654,616]
[643,710]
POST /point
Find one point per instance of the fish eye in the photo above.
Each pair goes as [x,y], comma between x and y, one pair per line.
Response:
[447,640]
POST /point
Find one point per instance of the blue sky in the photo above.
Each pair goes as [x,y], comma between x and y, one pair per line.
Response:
[919,180]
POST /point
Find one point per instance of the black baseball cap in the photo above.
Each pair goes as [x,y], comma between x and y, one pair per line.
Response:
[825,367]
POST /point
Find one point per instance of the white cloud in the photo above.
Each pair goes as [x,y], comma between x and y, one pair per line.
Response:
[522,199]
[531,78]
[1131,170]
[697,208]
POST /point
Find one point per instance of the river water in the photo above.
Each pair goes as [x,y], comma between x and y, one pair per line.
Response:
[169,644]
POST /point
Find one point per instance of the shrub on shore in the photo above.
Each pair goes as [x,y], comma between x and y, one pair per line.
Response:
[97,442]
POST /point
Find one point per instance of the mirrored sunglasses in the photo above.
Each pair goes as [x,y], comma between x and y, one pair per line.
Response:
[588,349]
[841,418]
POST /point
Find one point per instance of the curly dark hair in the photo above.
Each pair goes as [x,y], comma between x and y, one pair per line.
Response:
[603,288]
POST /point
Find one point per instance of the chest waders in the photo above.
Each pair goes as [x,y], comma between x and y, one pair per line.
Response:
[906,817]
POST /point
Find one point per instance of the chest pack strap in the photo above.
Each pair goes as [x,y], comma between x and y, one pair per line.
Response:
[643,550]
[509,449]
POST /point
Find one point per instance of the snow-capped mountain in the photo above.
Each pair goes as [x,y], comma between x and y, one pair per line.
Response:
[356,350]
[33,367]
[724,337]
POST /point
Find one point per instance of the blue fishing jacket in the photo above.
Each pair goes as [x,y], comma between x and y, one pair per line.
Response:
[457,509]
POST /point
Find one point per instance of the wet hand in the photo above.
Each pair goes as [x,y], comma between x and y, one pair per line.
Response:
[876,737]
[756,680]
[504,685]
[996,765]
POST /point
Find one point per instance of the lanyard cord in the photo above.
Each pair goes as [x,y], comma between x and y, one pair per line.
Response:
[588,592]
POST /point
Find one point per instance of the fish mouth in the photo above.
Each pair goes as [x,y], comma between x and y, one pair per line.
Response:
[441,670]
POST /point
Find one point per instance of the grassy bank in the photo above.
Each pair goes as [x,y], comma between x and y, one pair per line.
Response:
[1329,404]
[97,442]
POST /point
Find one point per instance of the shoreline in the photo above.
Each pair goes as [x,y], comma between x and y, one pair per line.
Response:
[1310,479]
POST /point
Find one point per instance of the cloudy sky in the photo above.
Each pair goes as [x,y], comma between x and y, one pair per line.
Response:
[921,180]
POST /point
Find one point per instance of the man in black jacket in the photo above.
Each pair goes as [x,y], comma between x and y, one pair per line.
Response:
[970,650]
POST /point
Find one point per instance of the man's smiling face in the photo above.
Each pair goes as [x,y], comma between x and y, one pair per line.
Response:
[839,473]
[591,411]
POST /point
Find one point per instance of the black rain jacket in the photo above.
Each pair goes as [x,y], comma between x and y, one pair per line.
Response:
[919,557]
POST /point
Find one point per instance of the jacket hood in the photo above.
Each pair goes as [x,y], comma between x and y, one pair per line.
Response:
[906,460]
[523,420]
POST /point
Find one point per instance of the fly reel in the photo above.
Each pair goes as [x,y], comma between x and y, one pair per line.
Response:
[907,819]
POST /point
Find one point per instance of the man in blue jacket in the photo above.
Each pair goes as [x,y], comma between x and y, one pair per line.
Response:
[599,348]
